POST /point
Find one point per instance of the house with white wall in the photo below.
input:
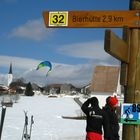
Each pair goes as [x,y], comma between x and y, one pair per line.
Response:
[105,82]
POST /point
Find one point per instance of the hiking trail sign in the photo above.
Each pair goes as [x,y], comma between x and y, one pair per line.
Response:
[92,19]
[130,113]
[127,51]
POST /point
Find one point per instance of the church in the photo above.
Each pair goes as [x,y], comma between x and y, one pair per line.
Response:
[10,76]
[5,88]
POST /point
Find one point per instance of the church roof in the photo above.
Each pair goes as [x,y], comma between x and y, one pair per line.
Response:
[10,69]
[105,79]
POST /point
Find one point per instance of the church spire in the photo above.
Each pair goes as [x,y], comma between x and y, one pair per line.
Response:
[10,75]
[10,69]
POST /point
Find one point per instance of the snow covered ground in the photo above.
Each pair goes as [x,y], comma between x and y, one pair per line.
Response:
[48,123]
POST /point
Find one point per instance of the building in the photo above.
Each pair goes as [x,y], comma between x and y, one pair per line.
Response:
[3,89]
[105,79]
[10,76]
[53,89]
[105,82]
[67,89]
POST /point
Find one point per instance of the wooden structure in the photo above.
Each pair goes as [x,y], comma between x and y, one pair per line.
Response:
[127,50]
[91,19]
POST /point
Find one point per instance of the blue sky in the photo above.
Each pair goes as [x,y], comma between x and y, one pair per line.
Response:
[25,41]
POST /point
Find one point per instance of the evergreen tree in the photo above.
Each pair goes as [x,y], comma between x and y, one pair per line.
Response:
[29,90]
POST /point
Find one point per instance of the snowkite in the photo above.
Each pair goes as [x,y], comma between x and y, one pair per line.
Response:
[45,64]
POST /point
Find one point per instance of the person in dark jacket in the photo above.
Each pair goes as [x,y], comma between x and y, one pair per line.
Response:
[96,119]
[110,109]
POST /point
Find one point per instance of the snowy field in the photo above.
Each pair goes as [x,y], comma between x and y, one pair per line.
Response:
[48,123]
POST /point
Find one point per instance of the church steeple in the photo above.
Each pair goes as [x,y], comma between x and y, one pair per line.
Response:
[10,75]
[10,69]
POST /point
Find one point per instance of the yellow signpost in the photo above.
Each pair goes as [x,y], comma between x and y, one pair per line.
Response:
[92,19]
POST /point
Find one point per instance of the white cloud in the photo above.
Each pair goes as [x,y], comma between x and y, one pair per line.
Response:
[18,62]
[78,75]
[32,29]
[3,79]
[61,73]
[89,50]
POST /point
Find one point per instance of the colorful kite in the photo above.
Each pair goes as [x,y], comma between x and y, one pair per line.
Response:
[45,64]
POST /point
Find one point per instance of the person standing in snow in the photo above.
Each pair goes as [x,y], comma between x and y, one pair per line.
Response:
[110,109]
[96,119]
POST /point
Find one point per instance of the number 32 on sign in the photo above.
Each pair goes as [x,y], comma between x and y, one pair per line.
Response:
[58,18]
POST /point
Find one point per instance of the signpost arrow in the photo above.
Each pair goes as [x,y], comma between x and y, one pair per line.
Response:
[128,120]
[92,19]
[116,46]
[130,68]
